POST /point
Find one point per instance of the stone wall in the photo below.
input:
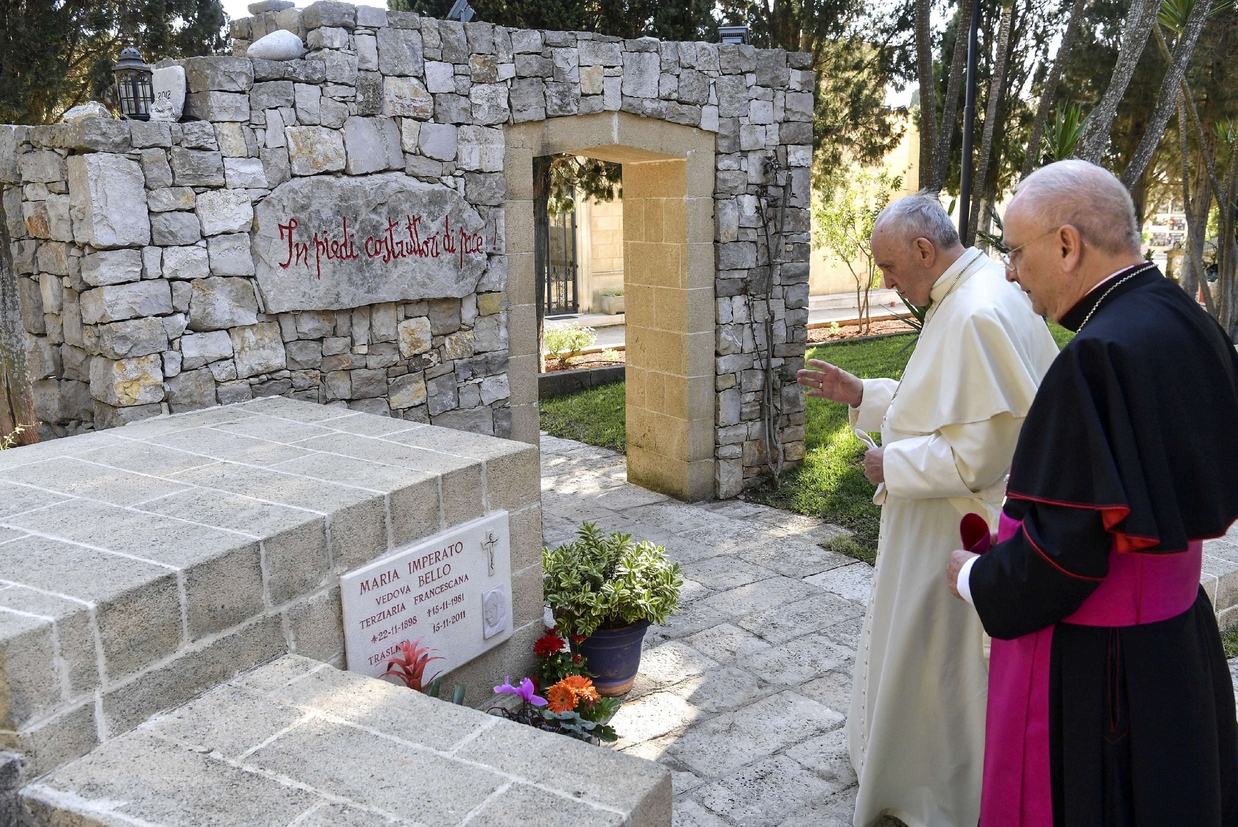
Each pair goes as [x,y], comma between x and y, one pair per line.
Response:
[146,251]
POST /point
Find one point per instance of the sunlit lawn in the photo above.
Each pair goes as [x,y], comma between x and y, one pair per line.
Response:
[594,416]
[829,484]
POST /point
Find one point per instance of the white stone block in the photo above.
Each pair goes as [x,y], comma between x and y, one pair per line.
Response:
[230,255]
[185,263]
[315,149]
[169,86]
[244,172]
[440,77]
[407,97]
[198,349]
[127,382]
[367,53]
[112,267]
[438,141]
[641,72]
[259,349]
[278,45]
[108,193]
[372,145]
[225,211]
[90,109]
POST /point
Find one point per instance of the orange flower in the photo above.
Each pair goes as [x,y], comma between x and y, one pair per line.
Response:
[561,698]
[582,688]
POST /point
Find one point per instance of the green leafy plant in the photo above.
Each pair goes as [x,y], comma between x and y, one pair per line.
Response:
[605,581]
[1063,134]
[565,342]
[457,693]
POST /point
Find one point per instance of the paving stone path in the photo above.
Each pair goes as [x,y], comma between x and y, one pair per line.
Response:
[743,694]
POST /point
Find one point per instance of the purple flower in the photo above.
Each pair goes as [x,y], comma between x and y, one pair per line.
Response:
[525,690]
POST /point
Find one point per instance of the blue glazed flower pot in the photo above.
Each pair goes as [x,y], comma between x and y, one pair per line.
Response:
[614,656]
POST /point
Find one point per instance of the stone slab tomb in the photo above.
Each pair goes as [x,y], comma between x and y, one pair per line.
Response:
[144,565]
[297,742]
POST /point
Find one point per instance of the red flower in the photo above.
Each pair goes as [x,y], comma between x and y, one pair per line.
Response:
[576,659]
[578,638]
[547,645]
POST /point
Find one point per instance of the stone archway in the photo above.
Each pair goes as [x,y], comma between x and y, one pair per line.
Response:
[669,276]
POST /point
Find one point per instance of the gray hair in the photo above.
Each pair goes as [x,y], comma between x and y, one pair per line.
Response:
[921,216]
[1086,196]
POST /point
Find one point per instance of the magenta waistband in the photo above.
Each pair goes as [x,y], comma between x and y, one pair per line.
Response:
[1139,588]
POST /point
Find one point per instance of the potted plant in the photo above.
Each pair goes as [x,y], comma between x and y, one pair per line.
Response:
[612,303]
[604,591]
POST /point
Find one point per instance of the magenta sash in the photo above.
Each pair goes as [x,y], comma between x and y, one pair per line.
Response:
[1140,588]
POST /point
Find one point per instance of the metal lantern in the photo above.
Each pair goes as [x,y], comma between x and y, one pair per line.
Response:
[733,34]
[133,88]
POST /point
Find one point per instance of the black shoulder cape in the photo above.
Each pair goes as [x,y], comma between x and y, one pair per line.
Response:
[1137,419]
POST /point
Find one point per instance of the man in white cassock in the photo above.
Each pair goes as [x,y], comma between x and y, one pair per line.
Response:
[948,429]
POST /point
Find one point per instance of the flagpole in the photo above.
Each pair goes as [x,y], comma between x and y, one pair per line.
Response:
[969,122]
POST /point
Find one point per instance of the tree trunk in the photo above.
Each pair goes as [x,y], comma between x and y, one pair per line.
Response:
[997,87]
[1049,92]
[1171,86]
[16,394]
[950,106]
[928,92]
[1135,30]
[1192,264]
[1227,251]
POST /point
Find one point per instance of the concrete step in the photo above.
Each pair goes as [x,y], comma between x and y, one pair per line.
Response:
[301,742]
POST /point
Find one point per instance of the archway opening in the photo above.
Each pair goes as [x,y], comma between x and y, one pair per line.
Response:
[669,272]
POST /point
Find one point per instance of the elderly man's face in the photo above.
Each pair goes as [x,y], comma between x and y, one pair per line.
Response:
[1033,265]
[905,267]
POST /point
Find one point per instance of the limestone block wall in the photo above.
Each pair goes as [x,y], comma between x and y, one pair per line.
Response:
[148,253]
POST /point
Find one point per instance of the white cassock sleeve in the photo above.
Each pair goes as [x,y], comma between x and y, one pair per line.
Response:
[964,581]
[871,411]
[955,461]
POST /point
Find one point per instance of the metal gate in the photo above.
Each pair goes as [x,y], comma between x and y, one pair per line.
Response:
[561,279]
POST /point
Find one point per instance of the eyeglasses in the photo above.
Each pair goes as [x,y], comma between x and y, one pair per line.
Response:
[1007,258]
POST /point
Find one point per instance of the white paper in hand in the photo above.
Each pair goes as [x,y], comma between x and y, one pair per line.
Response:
[863,436]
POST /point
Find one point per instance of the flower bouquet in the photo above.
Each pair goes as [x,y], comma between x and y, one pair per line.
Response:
[571,707]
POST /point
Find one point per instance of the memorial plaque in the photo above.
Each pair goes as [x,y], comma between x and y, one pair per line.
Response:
[452,592]
[335,243]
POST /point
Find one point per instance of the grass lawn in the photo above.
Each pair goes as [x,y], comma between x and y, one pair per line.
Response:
[829,483]
[594,416]
[1230,640]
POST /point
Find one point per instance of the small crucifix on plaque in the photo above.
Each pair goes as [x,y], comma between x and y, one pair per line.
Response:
[488,544]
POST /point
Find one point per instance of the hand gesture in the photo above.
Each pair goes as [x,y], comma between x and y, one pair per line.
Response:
[826,381]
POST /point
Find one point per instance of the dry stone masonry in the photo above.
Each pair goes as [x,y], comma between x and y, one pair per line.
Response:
[333,228]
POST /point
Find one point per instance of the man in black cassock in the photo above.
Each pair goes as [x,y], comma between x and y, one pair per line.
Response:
[1110,702]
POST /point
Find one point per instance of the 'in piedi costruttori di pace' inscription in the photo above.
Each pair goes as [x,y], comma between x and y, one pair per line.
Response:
[335,243]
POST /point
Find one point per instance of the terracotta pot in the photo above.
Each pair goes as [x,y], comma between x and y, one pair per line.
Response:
[614,656]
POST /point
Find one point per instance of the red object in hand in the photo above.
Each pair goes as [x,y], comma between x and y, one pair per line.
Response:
[974,531]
